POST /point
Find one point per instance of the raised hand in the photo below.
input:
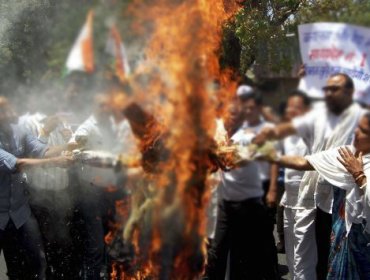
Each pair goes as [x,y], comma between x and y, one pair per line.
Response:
[353,163]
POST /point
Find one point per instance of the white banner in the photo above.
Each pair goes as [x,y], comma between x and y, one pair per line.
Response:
[328,48]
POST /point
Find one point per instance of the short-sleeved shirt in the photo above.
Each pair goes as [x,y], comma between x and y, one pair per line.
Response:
[13,193]
[99,138]
[242,182]
[250,132]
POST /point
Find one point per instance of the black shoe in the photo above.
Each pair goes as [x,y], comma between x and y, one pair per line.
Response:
[280,248]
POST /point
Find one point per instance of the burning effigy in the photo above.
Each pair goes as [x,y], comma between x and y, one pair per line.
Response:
[176,92]
[177,89]
[172,113]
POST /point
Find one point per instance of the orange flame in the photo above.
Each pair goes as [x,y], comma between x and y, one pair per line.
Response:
[180,83]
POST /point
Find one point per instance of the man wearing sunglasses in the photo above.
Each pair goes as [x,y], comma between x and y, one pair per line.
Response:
[338,93]
[321,129]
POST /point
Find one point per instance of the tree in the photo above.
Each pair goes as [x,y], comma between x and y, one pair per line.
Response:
[265,32]
[36,36]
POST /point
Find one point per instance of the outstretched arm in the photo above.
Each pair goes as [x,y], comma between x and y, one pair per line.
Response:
[60,161]
[294,162]
[272,194]
[10,164]
[272,133]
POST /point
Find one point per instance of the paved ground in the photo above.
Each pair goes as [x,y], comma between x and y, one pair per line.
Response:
[282,266]
[282,263]
[2,268]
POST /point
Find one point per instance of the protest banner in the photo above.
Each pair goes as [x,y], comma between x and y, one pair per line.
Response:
[328,48]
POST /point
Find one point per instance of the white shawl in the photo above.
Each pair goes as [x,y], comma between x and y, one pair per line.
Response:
[309,194]
[357,206]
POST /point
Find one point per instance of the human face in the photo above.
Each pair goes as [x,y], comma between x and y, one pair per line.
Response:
[362,136]
[337,96]
[251,111]
[7,115]
[103,110]
[295,107]
[234,112]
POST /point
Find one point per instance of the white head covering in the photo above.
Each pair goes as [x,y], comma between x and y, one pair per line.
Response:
[357,208]
[244,90]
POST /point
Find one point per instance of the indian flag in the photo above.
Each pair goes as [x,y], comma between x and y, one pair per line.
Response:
[116,48]
[81,56]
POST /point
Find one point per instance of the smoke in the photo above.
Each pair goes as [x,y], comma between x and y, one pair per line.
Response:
[177,82]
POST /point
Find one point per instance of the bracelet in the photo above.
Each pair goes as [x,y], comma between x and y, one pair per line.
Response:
[363,186]
[359,177]
[356,174]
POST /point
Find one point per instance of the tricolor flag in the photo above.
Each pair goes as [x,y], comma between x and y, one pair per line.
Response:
[81,56]
[116,48]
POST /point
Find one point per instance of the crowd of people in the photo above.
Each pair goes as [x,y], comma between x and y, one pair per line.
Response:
[322,150]
[55,211]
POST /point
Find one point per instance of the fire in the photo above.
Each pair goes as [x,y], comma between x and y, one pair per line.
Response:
[180,83]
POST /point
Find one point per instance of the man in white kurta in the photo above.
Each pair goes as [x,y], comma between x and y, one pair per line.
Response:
[299,230]
[322,129]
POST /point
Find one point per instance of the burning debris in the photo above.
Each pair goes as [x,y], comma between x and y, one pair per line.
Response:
[167,223]
[160,233]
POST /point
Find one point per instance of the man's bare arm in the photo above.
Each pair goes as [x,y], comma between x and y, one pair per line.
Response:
[54,151]
[60,161]
[294,162]
[271,197]
[273,133]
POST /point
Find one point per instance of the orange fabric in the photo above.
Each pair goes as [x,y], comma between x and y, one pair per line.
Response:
[119,67]
[87,45]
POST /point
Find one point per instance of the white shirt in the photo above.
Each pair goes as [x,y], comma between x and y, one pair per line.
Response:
[292,146]
[242,182]
[99,138]
[251,131]
[50,178]
[127,142]
[316,128]
[308,124]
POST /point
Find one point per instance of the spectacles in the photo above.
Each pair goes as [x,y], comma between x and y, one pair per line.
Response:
[332,88]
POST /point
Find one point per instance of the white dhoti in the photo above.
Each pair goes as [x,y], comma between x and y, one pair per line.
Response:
[300,243]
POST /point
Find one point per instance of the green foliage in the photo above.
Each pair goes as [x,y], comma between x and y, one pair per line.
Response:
[36,36]
[266,30]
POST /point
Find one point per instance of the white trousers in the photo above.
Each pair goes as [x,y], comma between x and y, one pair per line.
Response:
[300,243]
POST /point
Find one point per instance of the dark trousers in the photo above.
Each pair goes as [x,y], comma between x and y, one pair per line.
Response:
[91,207]
[96,209]
[58,245]
[23,251]
[53,211]
[244,231]
[323,231]
[280,214]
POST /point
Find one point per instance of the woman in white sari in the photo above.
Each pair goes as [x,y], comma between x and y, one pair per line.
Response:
[348,169]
